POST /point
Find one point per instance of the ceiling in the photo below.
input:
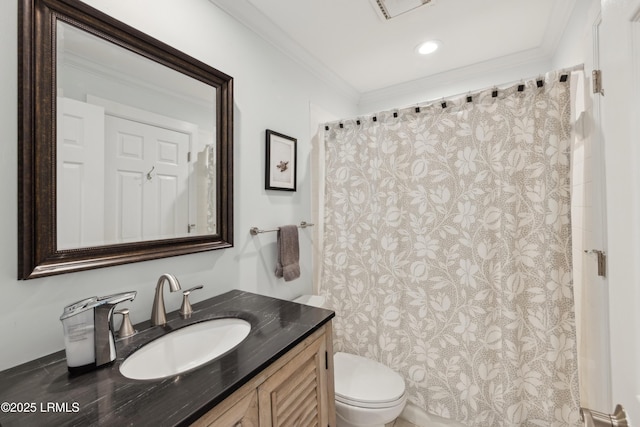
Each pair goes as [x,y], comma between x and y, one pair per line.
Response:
[353,43]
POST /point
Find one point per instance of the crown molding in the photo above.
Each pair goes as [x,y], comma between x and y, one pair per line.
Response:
[560,17]
[245,13]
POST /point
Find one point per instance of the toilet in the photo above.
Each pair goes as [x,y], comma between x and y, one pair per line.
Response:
[368,393]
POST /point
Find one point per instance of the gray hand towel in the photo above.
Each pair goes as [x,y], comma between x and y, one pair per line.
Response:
[288,253]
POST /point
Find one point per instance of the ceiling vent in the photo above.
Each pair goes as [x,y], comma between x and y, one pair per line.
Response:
[389,9]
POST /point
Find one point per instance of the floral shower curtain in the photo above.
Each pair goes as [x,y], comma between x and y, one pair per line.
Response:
[447,252]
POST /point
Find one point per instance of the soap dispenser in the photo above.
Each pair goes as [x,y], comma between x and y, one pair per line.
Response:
[88,331]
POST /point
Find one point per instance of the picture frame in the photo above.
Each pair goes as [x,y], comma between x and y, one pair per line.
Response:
[281,162]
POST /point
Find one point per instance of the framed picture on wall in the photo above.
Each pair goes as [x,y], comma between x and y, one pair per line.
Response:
[281,162]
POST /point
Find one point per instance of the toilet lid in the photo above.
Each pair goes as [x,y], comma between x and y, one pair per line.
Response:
[365,382]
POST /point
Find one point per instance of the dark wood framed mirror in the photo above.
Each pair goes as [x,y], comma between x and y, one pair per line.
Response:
[125,144]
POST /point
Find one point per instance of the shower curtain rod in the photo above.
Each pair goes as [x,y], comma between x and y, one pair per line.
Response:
[494,88]
[560,71]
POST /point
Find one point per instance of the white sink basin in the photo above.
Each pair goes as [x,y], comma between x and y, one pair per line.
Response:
[185,349]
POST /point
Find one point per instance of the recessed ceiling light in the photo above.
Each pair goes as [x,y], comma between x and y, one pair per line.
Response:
[428,47]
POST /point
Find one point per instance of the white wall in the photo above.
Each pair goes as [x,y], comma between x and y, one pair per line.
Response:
[590,291]
[450,84]
[575,42]
[271,91]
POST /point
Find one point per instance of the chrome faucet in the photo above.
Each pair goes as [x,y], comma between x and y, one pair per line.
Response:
[158,312]
[105,351]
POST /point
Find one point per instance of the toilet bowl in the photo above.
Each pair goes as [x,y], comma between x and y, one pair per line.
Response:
[368,393]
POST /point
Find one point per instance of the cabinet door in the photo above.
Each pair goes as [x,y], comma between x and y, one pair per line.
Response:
[296,395]
[243,413]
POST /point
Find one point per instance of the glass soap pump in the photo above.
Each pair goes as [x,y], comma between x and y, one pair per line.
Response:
[88,331]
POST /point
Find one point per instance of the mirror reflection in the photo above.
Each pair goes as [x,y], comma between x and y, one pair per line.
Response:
[136,148]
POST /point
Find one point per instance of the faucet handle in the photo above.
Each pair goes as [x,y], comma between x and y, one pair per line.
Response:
[126,328]
[185,309]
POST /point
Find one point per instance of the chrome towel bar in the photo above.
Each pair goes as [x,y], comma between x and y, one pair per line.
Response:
[254,231]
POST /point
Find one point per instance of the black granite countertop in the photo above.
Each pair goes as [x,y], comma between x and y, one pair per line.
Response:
[42,392]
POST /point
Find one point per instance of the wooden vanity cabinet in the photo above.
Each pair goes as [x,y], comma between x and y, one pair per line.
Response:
[241,411]
[297,390]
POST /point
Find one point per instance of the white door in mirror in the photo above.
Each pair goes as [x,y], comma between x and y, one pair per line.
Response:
[185,349]
[147,190]
[80,171]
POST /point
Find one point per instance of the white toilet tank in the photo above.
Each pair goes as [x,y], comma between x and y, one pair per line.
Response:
[367,392]
[312,300]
